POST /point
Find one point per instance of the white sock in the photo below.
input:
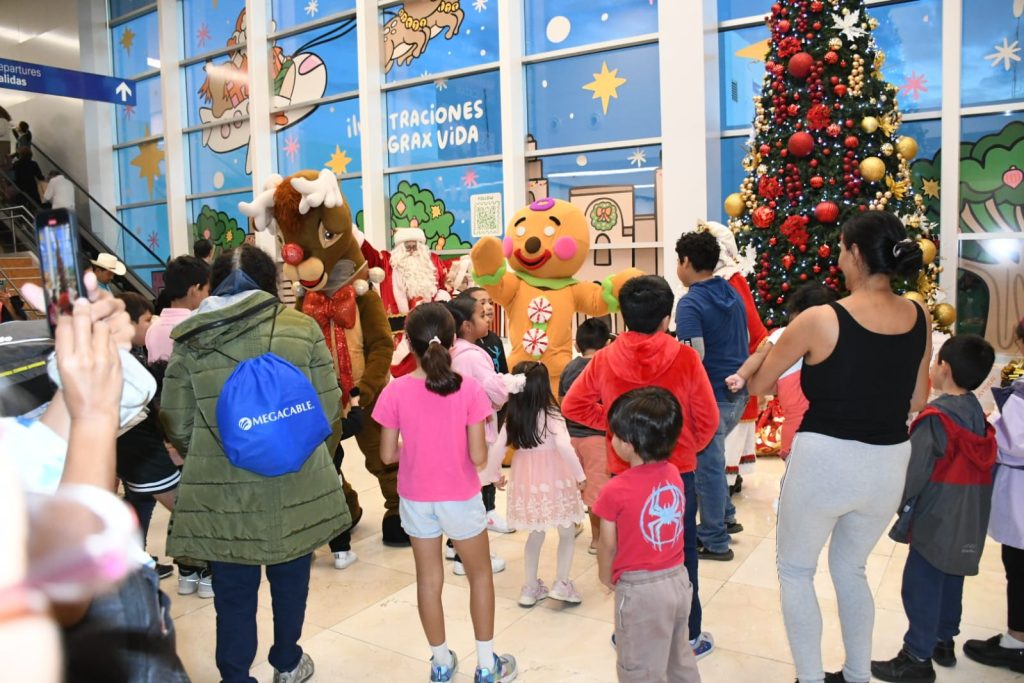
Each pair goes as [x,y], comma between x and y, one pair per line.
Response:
[442,655]
[1011,643]
[485,654]
[531,556]
[566,545]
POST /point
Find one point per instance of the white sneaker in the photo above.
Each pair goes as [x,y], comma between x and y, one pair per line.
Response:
[188,583]
[566,592]
[497,523]
[497,566]
[532,594]
[344,559]
[205,584]
[449,552]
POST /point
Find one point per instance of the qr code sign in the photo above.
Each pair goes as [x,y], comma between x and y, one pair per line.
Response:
[485,210]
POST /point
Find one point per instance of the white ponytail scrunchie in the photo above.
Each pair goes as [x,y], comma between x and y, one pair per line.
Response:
[514,384]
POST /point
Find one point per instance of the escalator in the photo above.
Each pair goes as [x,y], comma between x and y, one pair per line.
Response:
[99,231]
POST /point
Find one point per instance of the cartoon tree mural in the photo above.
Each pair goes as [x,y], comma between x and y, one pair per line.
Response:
[219,228]
[991,201]
[825,148]
[412,207]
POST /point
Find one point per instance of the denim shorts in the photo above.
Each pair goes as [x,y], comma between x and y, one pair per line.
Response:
[456,519]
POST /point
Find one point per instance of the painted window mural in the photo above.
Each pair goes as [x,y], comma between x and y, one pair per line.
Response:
[444,120]
[572,23]
[146,118]
[314,64]
[209,26]
[139,40]
[993,71]
[424,37]
[288,14]
[594,98]
[327,138]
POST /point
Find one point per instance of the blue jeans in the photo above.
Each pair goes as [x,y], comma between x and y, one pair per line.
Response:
[235,596]
[716,508]
[933,601]
[690,549]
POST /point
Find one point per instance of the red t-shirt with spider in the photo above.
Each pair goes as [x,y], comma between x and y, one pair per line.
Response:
[647,504]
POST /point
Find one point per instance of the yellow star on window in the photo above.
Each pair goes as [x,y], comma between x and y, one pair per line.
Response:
[930,188]
[148,161]
[127,39]
[756,51]
[605,85]
[339,161]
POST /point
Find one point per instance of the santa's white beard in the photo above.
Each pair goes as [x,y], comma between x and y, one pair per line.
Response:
[414,273]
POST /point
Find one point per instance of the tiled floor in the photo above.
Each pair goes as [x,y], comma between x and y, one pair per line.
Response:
[361,623]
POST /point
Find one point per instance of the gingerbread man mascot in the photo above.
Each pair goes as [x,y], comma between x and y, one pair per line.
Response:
[308,215]
[545,245]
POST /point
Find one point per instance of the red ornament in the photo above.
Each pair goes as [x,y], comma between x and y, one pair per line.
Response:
[784,25]
[816,269]
[817,182]
[787,261]
[834,130]
[801,144]
[831,57]
[818,117]
[824,251]
[803,277]
[840,90]
[851,142]
[793,109]
[826,212]
[795,230]
[765,150]
[763,217]
[780,301]
[800,65]
[769,187]
[785,286]
[817,6]
[789,47]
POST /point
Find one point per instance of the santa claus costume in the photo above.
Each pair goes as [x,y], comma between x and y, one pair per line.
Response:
[412,274]
[734,267]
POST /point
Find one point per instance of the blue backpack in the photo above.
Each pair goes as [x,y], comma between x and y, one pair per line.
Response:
[269,415]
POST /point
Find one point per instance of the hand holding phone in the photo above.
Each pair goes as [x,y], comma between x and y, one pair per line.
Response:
[89,364]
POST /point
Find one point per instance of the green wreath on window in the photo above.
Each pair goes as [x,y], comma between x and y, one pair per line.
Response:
[604,215]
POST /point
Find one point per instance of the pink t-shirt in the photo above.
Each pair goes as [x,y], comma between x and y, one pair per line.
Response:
[434,463]
[159,344]
[791,398]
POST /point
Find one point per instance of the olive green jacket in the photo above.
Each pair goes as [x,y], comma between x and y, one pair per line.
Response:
[224,513]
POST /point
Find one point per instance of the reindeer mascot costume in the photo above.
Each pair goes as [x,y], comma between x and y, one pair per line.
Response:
[313,224]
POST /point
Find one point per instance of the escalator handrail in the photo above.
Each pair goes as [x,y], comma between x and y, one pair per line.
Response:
[124,228]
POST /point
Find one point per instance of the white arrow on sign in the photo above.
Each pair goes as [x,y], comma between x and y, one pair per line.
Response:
[124,91]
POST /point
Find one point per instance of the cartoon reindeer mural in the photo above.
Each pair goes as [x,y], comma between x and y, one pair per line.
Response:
[418,22]
[312,222]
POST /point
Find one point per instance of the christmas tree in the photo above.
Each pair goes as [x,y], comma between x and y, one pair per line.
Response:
[825,147]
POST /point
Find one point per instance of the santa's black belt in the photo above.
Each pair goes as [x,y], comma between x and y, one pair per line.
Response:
[397,323]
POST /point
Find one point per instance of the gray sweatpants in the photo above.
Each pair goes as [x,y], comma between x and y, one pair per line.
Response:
[848,490]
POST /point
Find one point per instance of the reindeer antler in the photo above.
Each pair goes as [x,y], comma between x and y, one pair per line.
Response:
[261,209]
[323,191]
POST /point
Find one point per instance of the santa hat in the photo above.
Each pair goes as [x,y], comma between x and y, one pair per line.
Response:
[731,260]
[408,235]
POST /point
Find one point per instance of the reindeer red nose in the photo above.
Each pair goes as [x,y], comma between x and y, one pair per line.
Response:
[292,254]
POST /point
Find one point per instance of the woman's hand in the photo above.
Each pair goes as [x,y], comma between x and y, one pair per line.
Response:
[89,364]
[581,484]
[103,306]
[501,483]
[735,382]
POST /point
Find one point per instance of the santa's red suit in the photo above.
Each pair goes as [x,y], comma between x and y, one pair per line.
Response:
[394,291]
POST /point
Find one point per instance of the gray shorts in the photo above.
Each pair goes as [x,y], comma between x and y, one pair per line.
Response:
[456,519]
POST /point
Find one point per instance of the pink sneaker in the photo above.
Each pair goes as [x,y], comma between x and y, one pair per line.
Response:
[566,592]
[532,594]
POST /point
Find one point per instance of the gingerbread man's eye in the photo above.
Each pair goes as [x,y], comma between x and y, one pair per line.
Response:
[549,231]
[520,231]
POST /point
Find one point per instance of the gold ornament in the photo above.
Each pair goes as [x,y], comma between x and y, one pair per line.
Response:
[872,169]
[734,205]
[888,149]
[928,250]
[907,146]
[915,296]
[944,315]
[835,44]
[869,124]
[888,124]
[879,59]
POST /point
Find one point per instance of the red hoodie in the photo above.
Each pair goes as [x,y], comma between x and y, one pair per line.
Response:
[637,360]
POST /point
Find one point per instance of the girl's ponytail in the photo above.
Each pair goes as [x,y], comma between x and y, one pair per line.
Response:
[430,330]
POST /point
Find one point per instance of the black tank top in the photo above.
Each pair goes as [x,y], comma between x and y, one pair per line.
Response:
[862,391]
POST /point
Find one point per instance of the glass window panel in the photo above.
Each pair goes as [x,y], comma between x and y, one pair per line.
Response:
[352,190]
[992,69]
[326,138]
[601,97]
[447,119]
[988,299]
[146,117]
[148,225]
[287,13]
[315,64]
[438,201]
[136,46]
[142,172]
[741,9]
[910,34]
[209,25]
[219,220]
[570,23]
[121,7]
[741,73]
[224,97]
[992,174]
[432,48]
[210,170]
[732,151]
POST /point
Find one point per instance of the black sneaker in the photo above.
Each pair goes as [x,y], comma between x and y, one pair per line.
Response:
[733,528]
[835,677]
[945,654]
[904,668]
[705,554]
[991,653]
[164,571]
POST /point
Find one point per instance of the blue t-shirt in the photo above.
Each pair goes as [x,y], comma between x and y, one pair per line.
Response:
[713,310]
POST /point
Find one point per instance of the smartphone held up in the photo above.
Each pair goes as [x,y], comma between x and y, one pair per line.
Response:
[57,235]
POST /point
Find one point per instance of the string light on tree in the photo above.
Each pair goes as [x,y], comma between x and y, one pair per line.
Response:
[825,148]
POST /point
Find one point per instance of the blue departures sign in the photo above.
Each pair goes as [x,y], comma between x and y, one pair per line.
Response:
[65,82]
